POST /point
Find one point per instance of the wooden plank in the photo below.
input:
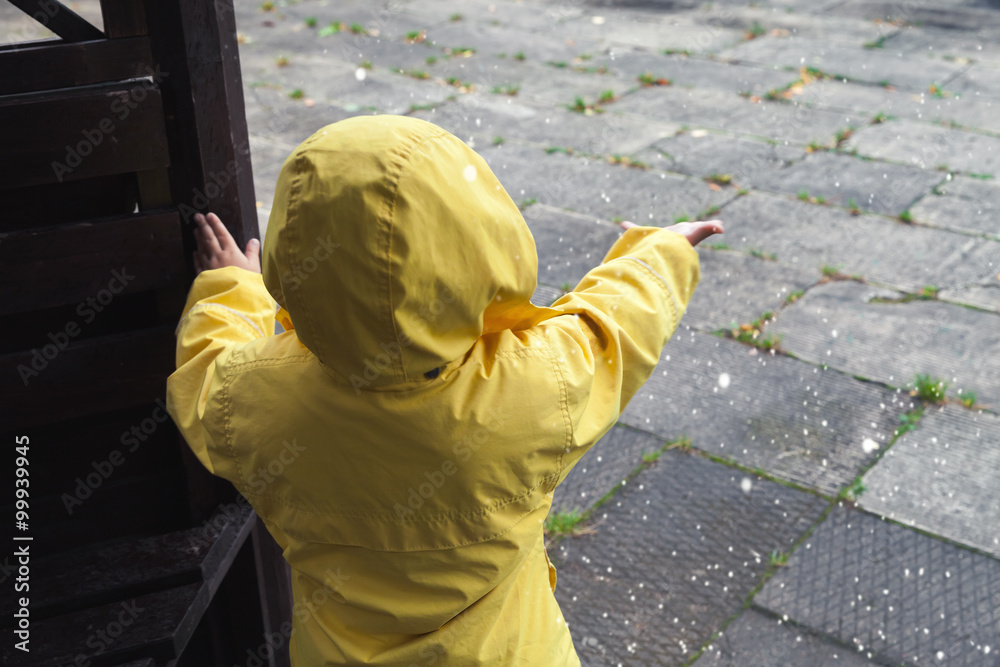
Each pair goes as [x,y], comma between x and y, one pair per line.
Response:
[90,376]
[203,97]
[71,201]
[148,504]
[67,135]
[123,18]
[149,625]
[62,65]
[91,576]
[59,19]
[91,262]
[274,584]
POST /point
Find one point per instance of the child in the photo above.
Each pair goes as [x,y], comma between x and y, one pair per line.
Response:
[403,437]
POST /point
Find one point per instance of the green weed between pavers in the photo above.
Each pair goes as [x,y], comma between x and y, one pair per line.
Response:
[777,559]
[852,207]
[967,398]
[803,195]
[876,44]
[498,140]
[906,217]
[415,36]
[719,246]
[311,22]
[460,51]
[281,61]
[414,73]
[909,421]
[519,56]
[709,212]
[929,388]
[506,89]
[794,296]
[332,28]
[852,492]
[564,523]
[365,64]
[431,60]
[297,94]
[760,254]
[753,333]
[719,179]
[756,30]
[558,149]
[525,203]
[647,80]
[626,161]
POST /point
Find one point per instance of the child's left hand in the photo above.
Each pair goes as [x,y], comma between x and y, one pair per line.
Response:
[218,249]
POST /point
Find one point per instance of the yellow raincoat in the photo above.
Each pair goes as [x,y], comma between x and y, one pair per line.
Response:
[403,437]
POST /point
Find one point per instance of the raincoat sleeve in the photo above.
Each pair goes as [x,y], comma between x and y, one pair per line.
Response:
[225,308]
[618,318]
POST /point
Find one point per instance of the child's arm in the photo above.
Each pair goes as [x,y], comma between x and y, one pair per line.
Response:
[620,316]
[227,306]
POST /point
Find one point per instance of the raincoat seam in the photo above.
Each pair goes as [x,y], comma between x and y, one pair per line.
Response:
[661,280]
[240,320]
[389,517]
[564,409]
[399,167]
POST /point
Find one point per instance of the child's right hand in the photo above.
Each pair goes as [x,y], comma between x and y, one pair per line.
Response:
[694,232]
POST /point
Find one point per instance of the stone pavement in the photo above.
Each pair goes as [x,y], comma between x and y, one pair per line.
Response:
[755,506]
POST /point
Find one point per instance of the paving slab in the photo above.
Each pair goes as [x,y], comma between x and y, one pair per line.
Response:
[942,478]
[481,117]
[929,147]
[906,257]
[597,188]
[713,109]
[843,61]
[539,17]
[891,592]
[736,288]
[491,42]
[879,187]
[668,563]
[545,294]
[703,153]
[951,14]
[961,46]
[654,31]
[839,324]
[569,244]
[535,81]
[604,467]
[684,70]
[968,111]
[962,204]
[984,297]
[757,639]
[790,418]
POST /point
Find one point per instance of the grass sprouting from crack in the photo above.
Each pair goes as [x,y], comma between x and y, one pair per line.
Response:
[929,388]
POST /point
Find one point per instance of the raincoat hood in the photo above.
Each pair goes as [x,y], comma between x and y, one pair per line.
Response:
[393,248]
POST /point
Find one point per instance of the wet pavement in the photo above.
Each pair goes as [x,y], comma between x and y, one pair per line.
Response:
[788,503]
[794,506]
